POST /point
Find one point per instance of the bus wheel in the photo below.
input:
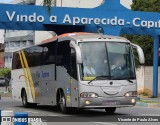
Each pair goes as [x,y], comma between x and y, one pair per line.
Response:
[62,103]
[24,100]
[110,110]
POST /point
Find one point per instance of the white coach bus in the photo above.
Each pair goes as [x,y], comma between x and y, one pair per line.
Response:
[77,70]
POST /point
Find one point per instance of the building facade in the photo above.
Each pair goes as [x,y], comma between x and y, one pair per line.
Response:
[16,39]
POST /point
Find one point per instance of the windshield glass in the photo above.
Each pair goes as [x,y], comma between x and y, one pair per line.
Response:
[110,60]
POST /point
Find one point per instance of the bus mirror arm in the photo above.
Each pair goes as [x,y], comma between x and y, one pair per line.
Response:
[140,53]
[78,52]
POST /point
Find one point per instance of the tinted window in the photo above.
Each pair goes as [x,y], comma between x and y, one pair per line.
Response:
[41,55]
[34,55]
[63,55]
[16,64]
[73,64]
[49,53]
[37,55]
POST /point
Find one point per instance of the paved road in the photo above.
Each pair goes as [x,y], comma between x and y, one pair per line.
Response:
[90,117]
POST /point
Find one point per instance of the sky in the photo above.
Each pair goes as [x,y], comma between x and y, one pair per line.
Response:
[5,1]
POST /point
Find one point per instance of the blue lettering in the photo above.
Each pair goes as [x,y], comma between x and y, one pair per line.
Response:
[45,74]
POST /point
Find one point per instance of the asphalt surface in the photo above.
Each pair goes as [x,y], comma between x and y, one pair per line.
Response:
[85,117]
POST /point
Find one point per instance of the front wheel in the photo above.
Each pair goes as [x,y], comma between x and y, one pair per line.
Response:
[110,110]
[62,103]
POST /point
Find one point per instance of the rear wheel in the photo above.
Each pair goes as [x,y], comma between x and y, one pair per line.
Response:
[62,103]
[110,110]
[24,99]
[25,102]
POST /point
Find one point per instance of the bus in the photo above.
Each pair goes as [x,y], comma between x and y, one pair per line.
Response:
[77,71]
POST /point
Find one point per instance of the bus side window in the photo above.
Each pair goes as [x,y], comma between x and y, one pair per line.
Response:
[49,53]
[73,64]
[63,55]
[16,64]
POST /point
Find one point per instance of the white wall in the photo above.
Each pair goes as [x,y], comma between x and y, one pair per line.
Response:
[75,3]
[83,3]
[1,36]
[145,80]
[140,79]
[126,3]
[148,86]
[21,1]
[42,35]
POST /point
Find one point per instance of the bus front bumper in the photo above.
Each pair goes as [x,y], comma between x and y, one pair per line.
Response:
[102,102]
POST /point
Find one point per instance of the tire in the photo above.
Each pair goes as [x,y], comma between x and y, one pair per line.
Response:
[25,100]
[110,110]
[33,105]
[62,103]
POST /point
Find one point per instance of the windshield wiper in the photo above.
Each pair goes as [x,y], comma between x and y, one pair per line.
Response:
[129,80]
[98,77]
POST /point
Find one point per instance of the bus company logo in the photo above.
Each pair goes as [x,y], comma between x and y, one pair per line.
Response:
[6,119]
[20,120]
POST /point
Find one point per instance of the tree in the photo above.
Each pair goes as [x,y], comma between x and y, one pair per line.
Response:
[146,5]
[146,42]
[49,3]
[5,73]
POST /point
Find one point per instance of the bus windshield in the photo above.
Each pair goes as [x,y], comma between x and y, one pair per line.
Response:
[107,60]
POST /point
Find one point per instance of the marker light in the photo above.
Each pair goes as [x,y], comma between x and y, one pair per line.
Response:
[131,94]
[88,95]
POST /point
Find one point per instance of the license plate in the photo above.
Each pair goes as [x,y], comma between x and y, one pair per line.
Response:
[110,103]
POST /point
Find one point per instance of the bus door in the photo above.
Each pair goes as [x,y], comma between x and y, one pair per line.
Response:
[73,81]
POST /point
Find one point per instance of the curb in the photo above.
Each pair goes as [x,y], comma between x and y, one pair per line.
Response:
[151,105]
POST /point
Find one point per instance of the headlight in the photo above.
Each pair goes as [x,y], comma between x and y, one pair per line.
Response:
[88,95]
[131,94]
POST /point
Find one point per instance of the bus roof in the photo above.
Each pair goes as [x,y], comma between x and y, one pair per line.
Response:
[80,36]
